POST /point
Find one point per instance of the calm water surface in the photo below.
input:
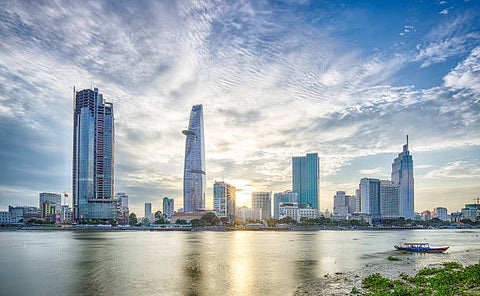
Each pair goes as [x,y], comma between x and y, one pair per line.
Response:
[195,263]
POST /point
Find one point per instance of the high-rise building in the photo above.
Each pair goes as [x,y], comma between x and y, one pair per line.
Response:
[305,171]
[402,174]
[93,147]
[148,212]
[122,200]
[168,207]
[224,199]
[194,169]
[379,198]
[263,201]
[389,200]
[286,196]
[440,213]
[50,205]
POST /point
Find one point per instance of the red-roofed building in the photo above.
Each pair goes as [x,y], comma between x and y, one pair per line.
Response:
[185,216]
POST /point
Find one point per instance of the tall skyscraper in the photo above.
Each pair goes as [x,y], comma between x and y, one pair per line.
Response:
[168,207]
[286,196]
[305,171]
[194,169]
[402,174]
[263,201]
[93,146]
[148,212]
[224,199]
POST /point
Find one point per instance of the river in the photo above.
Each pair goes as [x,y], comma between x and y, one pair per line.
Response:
[198,263]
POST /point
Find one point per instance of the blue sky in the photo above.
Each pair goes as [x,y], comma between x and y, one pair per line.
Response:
[277,79]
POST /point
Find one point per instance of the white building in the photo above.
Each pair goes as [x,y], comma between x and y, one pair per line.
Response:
[263,201]
[246,214]
[291,210]
[286,196]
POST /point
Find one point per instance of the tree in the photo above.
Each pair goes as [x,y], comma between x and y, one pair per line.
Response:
[181,221]
[197,222]
[158,215]
[224,220]
[161,221]
[133,219]
[272,222]
[210,218]
[287,220]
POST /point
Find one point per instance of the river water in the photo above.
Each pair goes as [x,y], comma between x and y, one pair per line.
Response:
[197,263]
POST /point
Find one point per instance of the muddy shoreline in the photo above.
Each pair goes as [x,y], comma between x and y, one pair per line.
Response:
[410,264]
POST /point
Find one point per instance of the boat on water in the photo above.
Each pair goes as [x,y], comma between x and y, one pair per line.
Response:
[420,247]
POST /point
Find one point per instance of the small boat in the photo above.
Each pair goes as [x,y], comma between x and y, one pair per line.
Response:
[420,247]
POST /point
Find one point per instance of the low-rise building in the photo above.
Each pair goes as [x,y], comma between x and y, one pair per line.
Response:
[440,213]
[5,217]
[185,216]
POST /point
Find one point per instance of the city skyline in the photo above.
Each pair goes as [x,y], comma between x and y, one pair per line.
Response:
[345,80]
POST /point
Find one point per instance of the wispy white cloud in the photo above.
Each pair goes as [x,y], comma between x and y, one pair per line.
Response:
[455,170]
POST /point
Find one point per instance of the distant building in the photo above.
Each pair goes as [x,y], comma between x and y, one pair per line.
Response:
[286,196]
[186,216]
[357,201]
[402,174]
[291,209]
[66,214]
[263,200]
[456,217]
[470,213]
[5,217]
[246,214]
[305,179]
[93,157]
[224,199]
[168,207]
[343,205]
[194,168]
[50,204]
[426,215]
[23,214]
[440,213]
[148,212]
[122,200]
[389,200]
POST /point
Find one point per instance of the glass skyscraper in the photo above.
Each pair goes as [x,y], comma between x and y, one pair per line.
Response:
[305,171]
[194,169]
[93,144]
[402,174]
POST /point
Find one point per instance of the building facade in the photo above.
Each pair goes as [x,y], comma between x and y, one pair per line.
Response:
[93,157]
[305,179]
[124,210]
[343,205]
[168,207]
[286,196]
[263,201]
[50,205]
[148,212]
[440,213]
[389,200]
[224,199]
[194,168]
[402,174]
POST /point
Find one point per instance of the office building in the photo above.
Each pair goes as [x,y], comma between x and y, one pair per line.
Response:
[440,213]
[124,210]
[168,207]
[194,168]
[286,196]
[263,200]
[50,205]
[224,200]
[148,212]
[5,217]
[93,158]
[305,179]
[389,200]
[402,174]
[246,214]
[343,205]
[23,214]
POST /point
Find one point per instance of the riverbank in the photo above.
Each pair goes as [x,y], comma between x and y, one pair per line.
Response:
[342,283]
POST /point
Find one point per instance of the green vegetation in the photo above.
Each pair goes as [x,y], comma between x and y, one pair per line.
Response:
[161,221]
[39,221]
[181,221]
[133,219]
[392,258]
[451,279]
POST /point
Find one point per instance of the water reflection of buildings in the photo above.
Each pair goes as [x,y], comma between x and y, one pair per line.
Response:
[193,270]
